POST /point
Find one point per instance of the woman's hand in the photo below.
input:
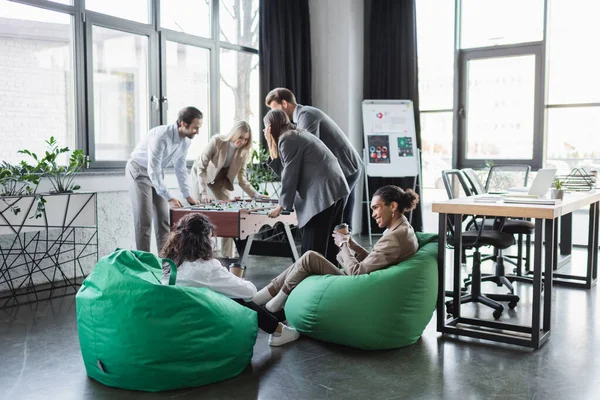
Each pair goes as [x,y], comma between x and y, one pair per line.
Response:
[206,198]
[261,196]
[274,213]
[273,153]
[339,238]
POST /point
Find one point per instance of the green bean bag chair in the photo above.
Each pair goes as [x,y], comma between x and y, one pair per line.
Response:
[385,309]
[136,333]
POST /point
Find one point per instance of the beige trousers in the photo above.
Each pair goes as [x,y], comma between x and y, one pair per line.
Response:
[220,191]
[311,263]
[147,205]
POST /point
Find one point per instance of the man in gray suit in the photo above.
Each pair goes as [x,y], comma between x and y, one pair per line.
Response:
[322,126]
[312,182]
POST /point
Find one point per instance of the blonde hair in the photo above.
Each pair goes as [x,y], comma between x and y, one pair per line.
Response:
[237,130]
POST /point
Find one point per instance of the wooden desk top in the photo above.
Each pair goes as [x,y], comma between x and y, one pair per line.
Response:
[467,205]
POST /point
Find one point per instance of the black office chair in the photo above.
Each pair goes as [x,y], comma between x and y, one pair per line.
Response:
[502,177]
[473,239]
[517,227]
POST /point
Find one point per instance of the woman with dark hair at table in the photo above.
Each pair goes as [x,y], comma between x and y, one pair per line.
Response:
[189,245]
[312,182]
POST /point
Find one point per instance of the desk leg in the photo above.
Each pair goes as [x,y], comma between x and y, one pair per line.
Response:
[457,264]
[549,263]
[592,262]
[596,207]
[537,282]
[290,238]
[441,312]
[566,234]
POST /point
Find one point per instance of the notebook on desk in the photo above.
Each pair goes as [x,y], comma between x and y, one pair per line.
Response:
[532,200]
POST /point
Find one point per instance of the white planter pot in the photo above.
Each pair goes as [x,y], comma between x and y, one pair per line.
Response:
[64,209]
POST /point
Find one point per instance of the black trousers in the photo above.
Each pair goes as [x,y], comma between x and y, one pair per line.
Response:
[266,321]
[316,234]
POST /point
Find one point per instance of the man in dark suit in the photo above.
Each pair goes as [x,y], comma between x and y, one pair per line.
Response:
[322,126]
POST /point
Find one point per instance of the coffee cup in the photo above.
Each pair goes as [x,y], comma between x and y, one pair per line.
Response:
[342,228]
[236,269]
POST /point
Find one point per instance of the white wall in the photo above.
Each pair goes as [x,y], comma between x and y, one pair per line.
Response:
[337,40]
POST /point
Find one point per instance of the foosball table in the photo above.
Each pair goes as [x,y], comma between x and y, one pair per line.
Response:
[247,222]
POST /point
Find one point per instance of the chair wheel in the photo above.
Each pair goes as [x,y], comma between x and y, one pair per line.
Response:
[497,314]
[512,305]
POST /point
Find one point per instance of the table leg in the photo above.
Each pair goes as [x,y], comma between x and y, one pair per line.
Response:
[457,264]
[244,258]
[549,263]
[566,234]
[537,282]
[290,238]
[441,312]
[592,262]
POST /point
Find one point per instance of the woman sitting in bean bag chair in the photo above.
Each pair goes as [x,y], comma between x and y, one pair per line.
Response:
[398,243]
[372,303]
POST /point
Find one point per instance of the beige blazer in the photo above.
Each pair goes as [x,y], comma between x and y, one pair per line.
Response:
[398,243]
[211,161]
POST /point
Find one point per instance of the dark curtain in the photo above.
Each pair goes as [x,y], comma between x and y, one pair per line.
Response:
[285,50]
[391,73]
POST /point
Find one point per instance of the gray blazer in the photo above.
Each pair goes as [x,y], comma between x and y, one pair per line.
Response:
[322,126]
[311,178]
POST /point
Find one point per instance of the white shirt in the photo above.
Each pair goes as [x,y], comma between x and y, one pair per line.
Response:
[212,275]
[161,146]
[230,152]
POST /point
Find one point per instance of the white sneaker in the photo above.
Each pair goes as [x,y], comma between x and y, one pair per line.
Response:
[287,335]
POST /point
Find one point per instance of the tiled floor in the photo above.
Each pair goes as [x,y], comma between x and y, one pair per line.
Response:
[40,359]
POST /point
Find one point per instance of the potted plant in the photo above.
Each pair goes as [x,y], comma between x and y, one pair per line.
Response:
[259,173]
[557,191]
[61,177]
[17,181]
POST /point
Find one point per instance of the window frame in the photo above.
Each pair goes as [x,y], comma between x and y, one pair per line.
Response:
[85,20]
[460,140]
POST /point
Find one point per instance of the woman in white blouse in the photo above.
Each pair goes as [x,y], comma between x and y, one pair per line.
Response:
[189,245]
[224,159]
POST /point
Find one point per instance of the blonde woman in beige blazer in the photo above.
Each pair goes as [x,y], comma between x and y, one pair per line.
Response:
[224,158]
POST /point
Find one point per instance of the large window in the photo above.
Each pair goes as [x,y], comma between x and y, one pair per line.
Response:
[435,40]
[37,79]
[525,86]
[188,82]
[120,76]
[573,106]
[98,78]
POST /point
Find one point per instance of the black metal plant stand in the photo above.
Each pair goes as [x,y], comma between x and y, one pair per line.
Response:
[46,257]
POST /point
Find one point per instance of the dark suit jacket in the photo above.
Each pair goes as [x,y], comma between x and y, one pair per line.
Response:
[311,178]
[322,126]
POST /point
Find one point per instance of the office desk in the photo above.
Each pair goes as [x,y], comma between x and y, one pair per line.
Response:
[546,218]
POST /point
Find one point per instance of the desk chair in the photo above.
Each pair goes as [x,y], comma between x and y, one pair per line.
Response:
[502,177]
[473,239]
[517,227]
